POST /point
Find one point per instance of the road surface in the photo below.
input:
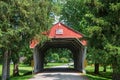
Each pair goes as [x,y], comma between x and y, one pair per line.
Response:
[59,76]
[64,74]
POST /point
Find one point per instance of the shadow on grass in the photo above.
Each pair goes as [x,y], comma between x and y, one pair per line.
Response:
[100,76]
[25,77]
[22,65]
[24,71]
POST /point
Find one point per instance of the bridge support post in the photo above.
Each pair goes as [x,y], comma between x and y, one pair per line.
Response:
[37,58]
[80,59]
[83,59]
[75,60]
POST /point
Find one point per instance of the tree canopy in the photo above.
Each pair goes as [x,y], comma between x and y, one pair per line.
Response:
[99,20]
[21,21]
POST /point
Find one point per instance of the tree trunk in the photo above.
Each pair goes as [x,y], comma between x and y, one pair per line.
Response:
[116,76]
[15,70]
[96,70]
[6,66]
[116,73]
[104,70]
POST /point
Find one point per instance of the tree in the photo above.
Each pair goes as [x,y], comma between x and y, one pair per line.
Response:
[114,60]
[58,55]
[26,52]
[8,33]
[98,19]
[20,21]
[105,15]
[72,14]
[1,56]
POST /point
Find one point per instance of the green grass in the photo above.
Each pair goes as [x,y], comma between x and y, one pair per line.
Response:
[101,76]
[54,64]
[89,70]
[25,69]
[21,77]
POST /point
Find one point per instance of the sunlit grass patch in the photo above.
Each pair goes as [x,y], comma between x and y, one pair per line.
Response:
[53,64]
[101,76]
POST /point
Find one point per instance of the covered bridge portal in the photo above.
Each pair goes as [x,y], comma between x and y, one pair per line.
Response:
[61,36]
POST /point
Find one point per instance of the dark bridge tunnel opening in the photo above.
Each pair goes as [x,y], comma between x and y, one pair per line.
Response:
[73,45]
[58,59]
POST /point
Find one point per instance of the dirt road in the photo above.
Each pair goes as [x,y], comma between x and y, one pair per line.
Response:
[59,76]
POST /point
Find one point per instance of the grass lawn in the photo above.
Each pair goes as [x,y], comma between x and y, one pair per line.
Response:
[25,73]
[23,69]
[53,64]
[101,76]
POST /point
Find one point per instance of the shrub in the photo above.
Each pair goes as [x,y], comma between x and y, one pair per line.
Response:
[63,60]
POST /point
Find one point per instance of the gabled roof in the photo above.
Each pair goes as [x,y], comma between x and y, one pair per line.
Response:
[60,30]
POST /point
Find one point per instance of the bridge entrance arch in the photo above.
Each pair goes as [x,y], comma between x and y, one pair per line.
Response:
[61,36]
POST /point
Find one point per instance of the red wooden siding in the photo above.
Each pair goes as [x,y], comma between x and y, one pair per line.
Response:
[66,32]
[60,30]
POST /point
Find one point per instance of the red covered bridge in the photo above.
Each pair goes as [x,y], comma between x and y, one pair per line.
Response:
[61,36]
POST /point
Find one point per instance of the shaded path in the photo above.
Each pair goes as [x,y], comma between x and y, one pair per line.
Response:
[59,76]
[59,73]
